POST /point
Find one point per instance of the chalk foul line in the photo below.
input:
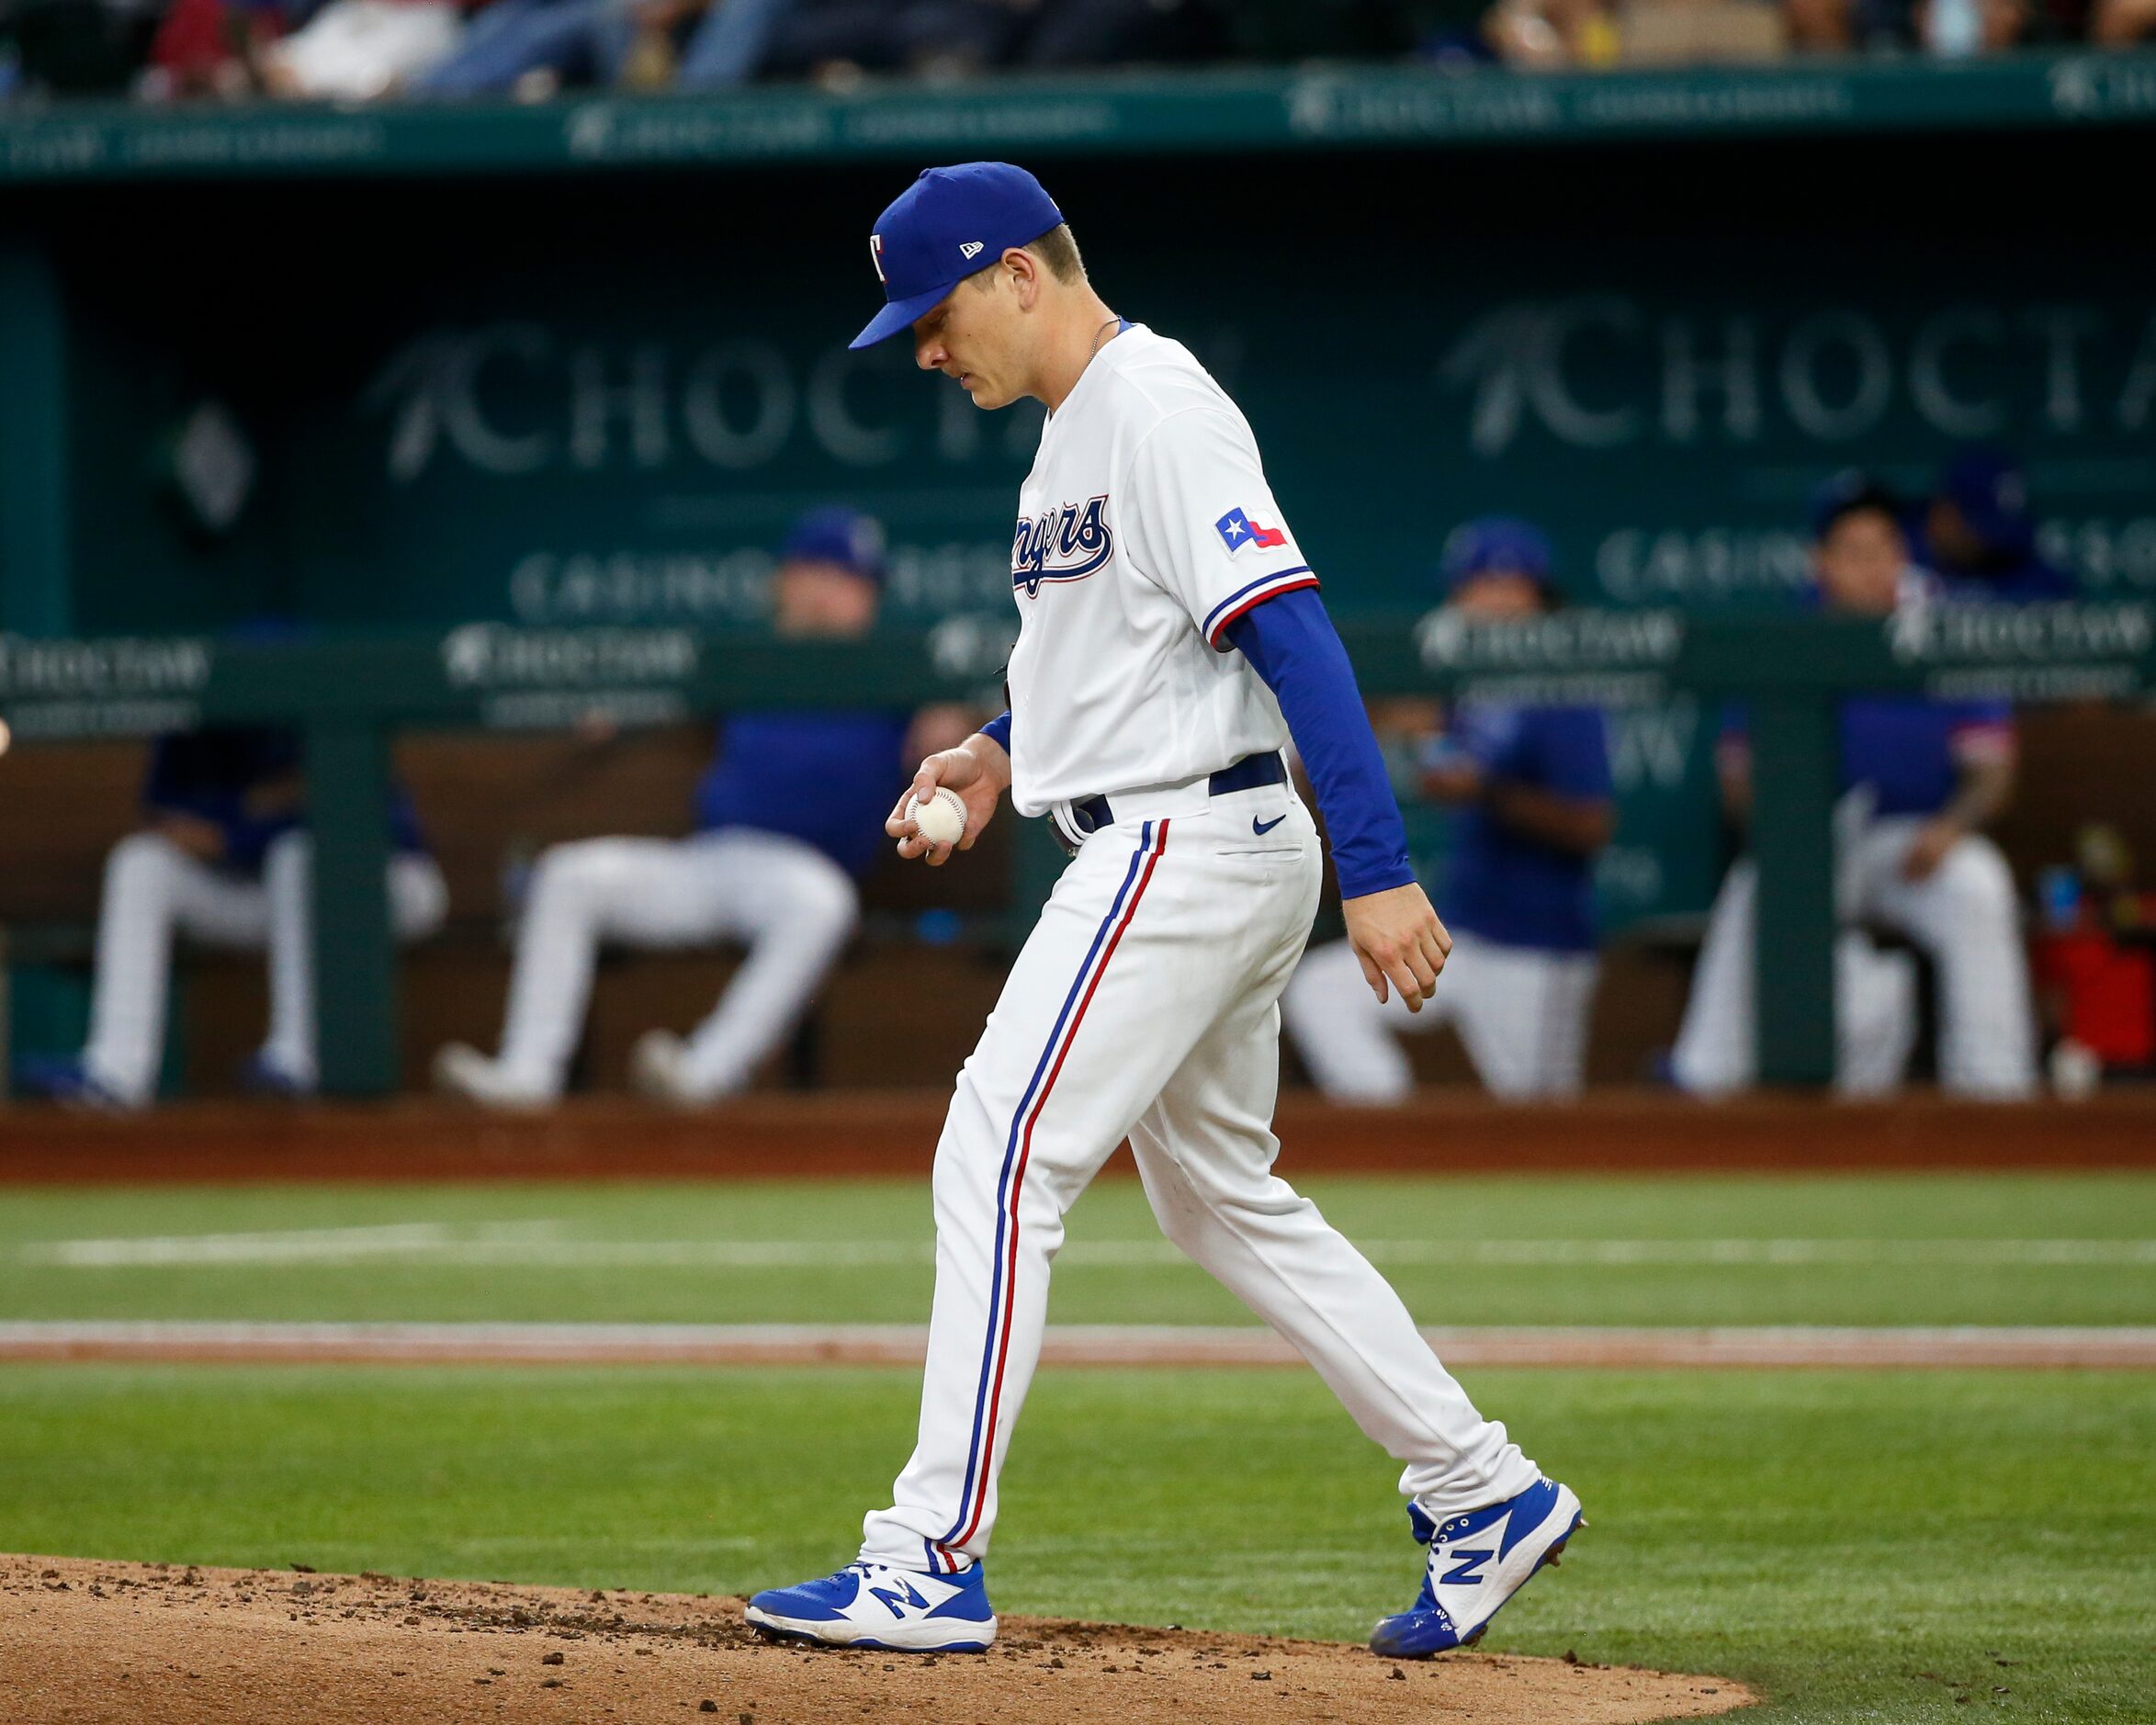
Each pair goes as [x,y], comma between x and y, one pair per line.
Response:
[2122,1347]
[546,1244]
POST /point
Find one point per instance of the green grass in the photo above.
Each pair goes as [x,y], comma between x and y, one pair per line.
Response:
[1915,1252]
[1862,1546]
[1829,1537]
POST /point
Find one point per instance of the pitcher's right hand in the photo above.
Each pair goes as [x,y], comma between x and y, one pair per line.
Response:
[979,771]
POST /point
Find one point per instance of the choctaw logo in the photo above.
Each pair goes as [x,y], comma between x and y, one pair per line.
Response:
[1061,544]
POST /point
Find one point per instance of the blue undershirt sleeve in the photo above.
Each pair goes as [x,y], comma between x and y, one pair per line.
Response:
[998,729]
[1291,642]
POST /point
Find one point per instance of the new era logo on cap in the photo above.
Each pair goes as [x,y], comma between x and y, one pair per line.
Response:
[970,250]
[876,254]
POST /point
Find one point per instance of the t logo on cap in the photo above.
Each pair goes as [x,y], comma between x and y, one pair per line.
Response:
[925,243]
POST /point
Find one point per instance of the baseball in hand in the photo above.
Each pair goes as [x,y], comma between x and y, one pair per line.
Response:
[940,819]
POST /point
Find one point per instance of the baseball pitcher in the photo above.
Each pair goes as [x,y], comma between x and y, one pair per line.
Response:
[1171,642]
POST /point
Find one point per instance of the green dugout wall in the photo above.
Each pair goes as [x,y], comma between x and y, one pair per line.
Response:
[347,695]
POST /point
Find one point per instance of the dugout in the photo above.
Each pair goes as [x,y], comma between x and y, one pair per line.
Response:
[572,366]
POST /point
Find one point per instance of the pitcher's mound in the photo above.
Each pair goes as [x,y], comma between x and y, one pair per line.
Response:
[158,1644]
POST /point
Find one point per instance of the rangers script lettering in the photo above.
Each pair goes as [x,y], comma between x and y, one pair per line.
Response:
[1076,535]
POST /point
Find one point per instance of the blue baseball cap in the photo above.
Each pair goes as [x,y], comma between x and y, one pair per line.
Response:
[949,223]
[1989,489]
[1495,545]
[845,537]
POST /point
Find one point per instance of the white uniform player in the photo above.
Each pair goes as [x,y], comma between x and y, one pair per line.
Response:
[223,861]
[1144,1003]
[1920,779]
[1531,788]
[789,813]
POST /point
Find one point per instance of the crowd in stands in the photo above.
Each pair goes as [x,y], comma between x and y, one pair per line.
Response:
[358,50]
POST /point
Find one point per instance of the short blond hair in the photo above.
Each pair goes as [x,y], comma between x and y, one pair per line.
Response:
[1056,249]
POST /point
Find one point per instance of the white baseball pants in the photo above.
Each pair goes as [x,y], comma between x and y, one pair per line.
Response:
[154,890]
[1521,1011]
[788,904]
[1144,1005]
[1963,916]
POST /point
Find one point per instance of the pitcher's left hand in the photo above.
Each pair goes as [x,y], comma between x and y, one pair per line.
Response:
[1397,939]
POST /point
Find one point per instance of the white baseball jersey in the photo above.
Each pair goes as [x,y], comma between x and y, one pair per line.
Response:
[1146,527]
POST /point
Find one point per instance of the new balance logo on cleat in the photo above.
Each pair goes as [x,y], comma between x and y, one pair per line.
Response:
[1462,1585]
[1468,1561]
[899,1595]
[872,1605]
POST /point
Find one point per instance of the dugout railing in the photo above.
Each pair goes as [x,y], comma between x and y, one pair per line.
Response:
[348,697]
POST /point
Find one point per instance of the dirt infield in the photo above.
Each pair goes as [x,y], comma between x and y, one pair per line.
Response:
[109,1644]
[851,1134]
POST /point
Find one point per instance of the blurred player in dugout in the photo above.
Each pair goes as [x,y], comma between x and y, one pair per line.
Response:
[1920,779]
[789,815]
[223,858]
[1977,532]
[1532,788]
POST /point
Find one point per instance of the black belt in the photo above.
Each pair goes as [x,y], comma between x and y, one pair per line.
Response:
[1252,770]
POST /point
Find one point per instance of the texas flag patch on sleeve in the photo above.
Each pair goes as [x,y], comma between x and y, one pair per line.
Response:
[1236,530]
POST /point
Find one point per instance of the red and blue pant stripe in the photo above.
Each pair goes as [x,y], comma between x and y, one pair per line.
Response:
[1017,1151]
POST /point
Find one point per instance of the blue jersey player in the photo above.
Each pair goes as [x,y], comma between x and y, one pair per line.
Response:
[222,858]
[1532,788]
[1978,533]
[790,813]
[1920,779]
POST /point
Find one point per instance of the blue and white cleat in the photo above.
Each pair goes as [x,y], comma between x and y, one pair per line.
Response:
[65,1078]
[1477,1562]
[261,1075]
[869,1604]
